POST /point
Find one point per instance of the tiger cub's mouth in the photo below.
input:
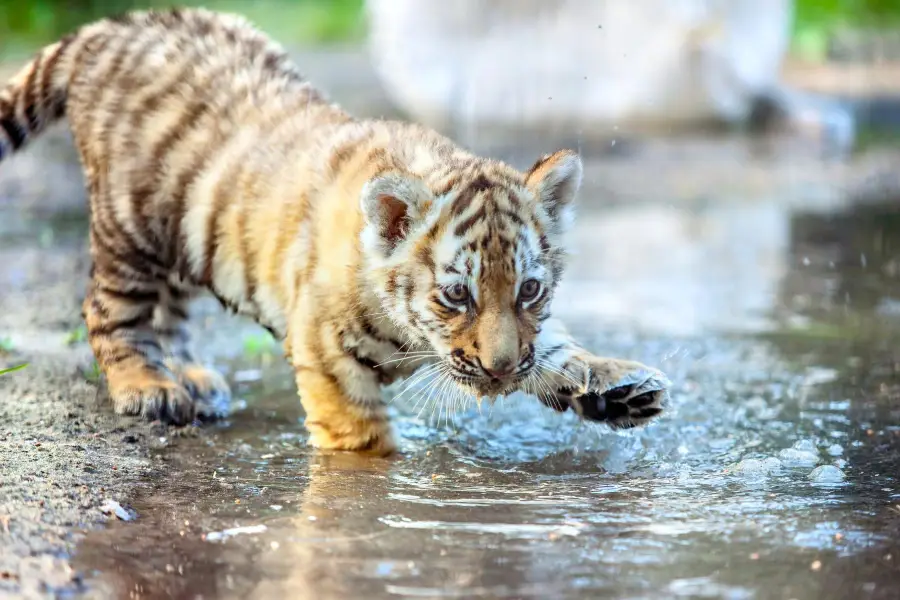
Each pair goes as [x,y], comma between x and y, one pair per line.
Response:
[489,387]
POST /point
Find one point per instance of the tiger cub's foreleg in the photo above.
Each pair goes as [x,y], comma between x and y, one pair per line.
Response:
[337,421]
[170,322]
[621,393]
[340,393]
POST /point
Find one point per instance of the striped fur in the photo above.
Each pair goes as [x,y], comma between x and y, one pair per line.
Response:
[212,164]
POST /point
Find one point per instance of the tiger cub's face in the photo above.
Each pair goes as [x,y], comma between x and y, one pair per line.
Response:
[472,272]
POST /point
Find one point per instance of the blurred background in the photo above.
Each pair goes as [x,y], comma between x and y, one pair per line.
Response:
[820,28]
[574,70]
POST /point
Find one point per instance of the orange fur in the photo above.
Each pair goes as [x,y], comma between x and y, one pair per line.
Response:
[212,164]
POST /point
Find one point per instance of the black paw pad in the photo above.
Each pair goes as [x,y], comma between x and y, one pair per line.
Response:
[598,407]
[642,400]
[649,412]
[617,394]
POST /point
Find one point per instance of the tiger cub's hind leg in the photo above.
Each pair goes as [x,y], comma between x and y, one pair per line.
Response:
[118,311]
[170,321]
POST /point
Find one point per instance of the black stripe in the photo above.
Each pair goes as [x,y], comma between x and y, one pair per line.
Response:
[137,260]
[14,132]
[54,98]
[98,306]
[178,293]
[110,327]
[511,216]
[134,296]
[178,312]
[226,304]
[465,225]
[123,354]
[28,92]
[365,362]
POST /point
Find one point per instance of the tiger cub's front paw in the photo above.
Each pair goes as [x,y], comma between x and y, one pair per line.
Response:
[367,436]
[621,393]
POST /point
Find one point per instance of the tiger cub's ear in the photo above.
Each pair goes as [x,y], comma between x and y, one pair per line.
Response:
[392,205]
[555,180]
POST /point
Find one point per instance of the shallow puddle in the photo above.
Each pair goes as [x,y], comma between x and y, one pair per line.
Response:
[773,476]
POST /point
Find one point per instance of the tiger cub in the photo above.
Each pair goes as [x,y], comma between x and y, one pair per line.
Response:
[371,248]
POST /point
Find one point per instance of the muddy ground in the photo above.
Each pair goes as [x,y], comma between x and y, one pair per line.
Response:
[64,455]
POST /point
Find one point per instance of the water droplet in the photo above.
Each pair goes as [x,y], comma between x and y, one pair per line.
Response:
[827,474]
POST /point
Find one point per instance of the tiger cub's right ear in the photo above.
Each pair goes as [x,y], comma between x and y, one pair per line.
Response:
[391,205]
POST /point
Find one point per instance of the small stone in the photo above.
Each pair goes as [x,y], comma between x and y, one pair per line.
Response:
[113,507]
[816,565]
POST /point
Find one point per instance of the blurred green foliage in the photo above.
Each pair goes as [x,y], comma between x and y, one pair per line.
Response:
[816,21]
[25,24]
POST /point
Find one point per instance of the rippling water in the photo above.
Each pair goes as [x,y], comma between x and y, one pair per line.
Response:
[773,476]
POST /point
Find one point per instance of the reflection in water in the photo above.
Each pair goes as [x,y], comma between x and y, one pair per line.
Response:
[716,500]
[849,260]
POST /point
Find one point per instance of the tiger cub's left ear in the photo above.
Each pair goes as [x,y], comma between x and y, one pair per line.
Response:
[555,180]
[392,204]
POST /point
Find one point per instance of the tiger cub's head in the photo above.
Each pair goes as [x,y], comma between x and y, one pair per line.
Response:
[472,271]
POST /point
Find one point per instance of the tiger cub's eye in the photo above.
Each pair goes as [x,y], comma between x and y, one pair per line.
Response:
[457,293]
[529,290]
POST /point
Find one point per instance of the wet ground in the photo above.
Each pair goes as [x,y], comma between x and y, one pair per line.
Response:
[763,280]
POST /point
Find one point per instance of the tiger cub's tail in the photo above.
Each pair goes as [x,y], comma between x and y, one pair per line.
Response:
[36,96]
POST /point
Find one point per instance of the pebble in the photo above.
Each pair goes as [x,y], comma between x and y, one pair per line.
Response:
[214,536]
[113,507]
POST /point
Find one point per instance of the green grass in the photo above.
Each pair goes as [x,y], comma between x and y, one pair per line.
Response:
[77,335]
[259,344]
[26,25]
[93,374]
[13,369]
[815,21]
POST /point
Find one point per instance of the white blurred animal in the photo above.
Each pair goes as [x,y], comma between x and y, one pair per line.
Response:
[584,65]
